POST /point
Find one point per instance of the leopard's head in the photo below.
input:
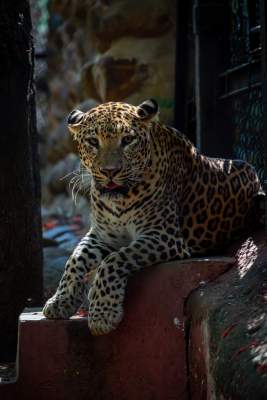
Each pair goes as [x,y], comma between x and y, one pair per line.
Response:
[114,144]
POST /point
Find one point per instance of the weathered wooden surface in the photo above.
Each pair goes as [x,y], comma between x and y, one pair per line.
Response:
[20,233]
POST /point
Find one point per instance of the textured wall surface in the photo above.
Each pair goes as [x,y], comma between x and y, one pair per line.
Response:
[99,51]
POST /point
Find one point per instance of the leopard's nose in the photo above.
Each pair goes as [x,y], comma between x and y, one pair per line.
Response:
[110,171]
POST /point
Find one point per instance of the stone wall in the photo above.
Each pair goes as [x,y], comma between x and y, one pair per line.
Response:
[102,50]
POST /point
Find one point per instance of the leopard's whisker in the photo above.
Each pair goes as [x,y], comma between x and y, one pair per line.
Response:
[74,172]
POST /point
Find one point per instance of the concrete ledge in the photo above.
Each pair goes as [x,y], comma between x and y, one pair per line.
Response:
[227,340]
[145,358]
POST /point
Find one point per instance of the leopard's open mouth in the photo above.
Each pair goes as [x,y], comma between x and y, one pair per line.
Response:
[113,189]
[113,186]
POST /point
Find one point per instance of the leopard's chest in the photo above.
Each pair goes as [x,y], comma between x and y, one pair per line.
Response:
[118,231]
[118,235]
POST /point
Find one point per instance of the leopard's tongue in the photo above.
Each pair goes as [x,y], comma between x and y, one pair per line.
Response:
[112,185]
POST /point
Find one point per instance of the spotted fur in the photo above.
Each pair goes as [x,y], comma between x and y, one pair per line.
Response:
[154,198]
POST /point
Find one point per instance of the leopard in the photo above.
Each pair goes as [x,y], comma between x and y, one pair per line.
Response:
[154,198]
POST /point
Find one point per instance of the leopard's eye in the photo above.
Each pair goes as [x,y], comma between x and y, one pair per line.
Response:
[127,140]
[93,142]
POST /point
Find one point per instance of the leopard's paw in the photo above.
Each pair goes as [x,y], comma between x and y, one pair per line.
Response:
[102,322]
[105,312]
[58,307]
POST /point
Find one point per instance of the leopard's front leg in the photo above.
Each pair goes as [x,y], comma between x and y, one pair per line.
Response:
[70,293]
[106,295]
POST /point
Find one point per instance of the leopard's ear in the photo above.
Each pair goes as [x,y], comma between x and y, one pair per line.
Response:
[148,110]
[74,120]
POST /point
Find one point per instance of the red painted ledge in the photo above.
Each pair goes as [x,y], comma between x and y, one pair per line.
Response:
[145,358]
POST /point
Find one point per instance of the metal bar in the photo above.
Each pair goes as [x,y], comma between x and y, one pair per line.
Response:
[238,68]
[255,29]
[264,84]
[241,90]
[182,11]
[255,51]
[197,74]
